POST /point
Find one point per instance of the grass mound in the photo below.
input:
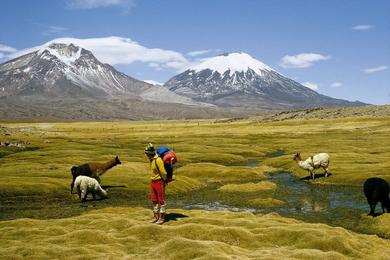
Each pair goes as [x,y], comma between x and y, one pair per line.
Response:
[126,233]
[266,202]
[249,187]
[377,225]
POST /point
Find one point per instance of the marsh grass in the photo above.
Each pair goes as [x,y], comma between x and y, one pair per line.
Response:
[125,233]
[212,155]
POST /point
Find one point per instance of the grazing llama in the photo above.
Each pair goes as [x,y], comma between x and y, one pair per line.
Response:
[86,185]
[92,169]
[313,162]
[377,190]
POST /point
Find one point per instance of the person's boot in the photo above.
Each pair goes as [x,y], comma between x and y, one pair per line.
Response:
[161,219]
[156,210]
[155,217]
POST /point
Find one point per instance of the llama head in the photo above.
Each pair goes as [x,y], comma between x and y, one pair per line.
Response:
[103,194]
[117,161]
[297,156]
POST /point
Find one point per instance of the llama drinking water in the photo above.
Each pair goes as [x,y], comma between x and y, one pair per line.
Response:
[92,169]
[86,185]
[377,190]
[313,162]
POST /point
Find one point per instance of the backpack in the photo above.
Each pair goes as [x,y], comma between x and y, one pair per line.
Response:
[169,158]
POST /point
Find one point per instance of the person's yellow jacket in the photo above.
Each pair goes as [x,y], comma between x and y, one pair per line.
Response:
[157,169]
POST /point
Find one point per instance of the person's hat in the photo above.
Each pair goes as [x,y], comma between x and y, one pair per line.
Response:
[149,149]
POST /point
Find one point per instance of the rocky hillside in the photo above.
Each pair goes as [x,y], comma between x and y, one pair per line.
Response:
[329,113]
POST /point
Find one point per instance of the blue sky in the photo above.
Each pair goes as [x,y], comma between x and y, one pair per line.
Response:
[340,48]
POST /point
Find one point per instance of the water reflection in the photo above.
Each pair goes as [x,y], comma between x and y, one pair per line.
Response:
[304,200]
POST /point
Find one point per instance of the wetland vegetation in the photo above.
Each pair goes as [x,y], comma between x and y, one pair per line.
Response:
[237,192]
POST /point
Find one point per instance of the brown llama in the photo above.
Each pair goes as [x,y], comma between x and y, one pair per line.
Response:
[92,169]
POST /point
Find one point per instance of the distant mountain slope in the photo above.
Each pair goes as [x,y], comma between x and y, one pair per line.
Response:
[81,109]
[237,79]
[326,113]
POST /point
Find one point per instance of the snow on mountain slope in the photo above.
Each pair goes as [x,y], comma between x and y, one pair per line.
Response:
[67,54]
[232,62]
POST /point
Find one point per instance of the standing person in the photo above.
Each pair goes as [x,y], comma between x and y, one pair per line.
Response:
[158,177]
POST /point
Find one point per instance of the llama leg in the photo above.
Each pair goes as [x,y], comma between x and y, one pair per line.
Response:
[71,187]
[383,208]
[94,195]
[312,174]
[326,171]
[79,192]
[83,195]
[372,209]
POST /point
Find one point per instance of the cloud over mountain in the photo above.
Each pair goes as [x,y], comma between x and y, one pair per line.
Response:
[118,50]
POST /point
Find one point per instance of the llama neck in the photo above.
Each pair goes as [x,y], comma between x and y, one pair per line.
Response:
[300,163]
[298,160]
[108,165]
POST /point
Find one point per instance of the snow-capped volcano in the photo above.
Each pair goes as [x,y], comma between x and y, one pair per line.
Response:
[237,79]
[232,62]
[60,69]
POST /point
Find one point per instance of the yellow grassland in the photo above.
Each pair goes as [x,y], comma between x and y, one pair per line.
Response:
[210,153]
[196,234]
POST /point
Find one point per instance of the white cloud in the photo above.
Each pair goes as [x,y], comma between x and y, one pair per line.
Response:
[198,53]
[362,27]
[311,85]
[55,30]
[91,4]
[375,69]
[155,66]
[7,49]
[117,50]
[302,60]
[153,82]
[336,84]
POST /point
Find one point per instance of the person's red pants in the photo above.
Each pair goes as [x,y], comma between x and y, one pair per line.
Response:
[157,192]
